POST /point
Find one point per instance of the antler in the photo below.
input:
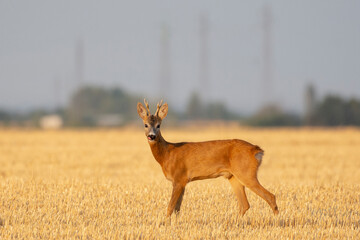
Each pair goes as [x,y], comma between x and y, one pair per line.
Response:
[147,107]
[158,107]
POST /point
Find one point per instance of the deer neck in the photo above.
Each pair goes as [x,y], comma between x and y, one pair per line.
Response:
[159,149]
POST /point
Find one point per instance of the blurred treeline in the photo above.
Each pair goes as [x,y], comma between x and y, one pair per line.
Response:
[333,110]
[92,106]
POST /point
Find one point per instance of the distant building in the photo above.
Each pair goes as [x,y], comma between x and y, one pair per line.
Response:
[51,122]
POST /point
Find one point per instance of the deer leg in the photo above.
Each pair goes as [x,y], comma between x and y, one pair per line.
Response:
[256,187]
[176,199]
[179,201]
[239,191]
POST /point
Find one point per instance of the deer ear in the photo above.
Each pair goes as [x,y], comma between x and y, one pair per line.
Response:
[142,111]
[163,111]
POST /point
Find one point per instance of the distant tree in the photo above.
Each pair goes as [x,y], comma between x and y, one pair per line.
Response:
[88,103]
[335,111]
[4,116]
[352,112]
[272,115]
[218,110]
[331,111]
[33,118]
[195,108]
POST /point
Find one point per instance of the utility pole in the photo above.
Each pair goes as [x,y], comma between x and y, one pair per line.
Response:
[79,63]
[267,55]
[204,57]
[165,65]
[310,104]
[57,93]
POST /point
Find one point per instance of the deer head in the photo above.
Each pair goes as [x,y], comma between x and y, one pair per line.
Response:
[152,122]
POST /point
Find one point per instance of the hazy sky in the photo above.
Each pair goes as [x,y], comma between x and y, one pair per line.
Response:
[311,41]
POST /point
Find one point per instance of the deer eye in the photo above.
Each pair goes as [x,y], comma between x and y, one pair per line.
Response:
[146,125]
[158,126]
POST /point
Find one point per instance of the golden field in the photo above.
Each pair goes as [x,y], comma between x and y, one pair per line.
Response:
[105,184]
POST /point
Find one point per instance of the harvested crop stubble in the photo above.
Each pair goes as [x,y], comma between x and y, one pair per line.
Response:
[105,184]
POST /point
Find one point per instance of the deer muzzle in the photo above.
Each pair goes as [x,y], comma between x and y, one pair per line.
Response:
[151,137]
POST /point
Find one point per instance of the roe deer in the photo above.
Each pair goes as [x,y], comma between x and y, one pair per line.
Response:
[236,160]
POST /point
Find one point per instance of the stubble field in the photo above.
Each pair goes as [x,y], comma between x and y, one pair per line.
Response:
[105,184]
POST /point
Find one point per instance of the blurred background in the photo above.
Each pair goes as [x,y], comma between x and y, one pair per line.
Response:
[262,63]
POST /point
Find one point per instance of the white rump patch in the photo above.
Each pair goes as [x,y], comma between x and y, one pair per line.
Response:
[259,157]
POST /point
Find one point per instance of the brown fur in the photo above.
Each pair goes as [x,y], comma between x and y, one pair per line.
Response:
[181,163]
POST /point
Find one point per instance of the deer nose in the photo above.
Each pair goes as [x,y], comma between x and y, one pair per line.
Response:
[151,136]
